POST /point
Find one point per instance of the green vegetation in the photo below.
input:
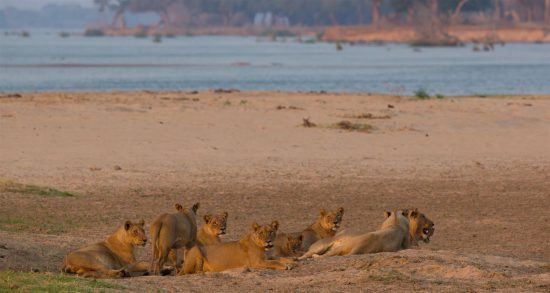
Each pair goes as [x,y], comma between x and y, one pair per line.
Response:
[421,94]
[49,282]
[25,34]
[94,33]
[64,34]
[227,103]
[39,224]
[8,186]
[439,96]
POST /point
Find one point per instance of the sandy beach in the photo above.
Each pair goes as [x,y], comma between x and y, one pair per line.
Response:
[479,167]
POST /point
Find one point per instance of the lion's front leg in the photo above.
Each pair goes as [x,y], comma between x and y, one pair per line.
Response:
[272,264]
[138,268]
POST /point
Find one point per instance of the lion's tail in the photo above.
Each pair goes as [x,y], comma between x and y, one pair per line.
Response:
[155,232]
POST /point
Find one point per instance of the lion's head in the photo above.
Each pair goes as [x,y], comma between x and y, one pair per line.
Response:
[420,227]
[293,244]
[264,236]
[216,225]
[134,233]
[193,209]
[331,220]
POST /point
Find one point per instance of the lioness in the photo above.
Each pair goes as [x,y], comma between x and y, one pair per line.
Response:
[112,258]
[208,234]
[173,231]
[420,227]
[325,226]
[392,236]
[249,252]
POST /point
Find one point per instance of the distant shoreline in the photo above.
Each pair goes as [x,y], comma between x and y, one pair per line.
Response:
[352,34]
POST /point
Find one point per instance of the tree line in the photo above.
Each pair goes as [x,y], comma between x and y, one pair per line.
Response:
[331,12]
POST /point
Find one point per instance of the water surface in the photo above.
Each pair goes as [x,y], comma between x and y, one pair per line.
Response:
[47,62]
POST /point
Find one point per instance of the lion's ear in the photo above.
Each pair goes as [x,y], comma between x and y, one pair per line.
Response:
[340,210]
[387,214]
[225,215]
[322,212]
[414,213]
[207,218]
[196,207]
[301,237]
[141,222]
[178,207]
[255,226]
[275,225]
[127,225]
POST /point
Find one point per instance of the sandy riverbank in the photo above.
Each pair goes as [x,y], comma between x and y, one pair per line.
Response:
[478,166]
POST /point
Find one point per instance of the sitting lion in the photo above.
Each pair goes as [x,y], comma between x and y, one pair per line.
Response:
[112,258]
[248,252]
[398,231]
[326,226]
[171,232]
[208,234]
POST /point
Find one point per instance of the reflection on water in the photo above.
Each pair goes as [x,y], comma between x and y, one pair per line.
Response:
[47,62]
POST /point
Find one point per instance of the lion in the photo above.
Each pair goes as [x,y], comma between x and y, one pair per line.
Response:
[286,245]
[208,234]
[112,258]
[392,236]
[326,226]
[171,232]
[420,227]
[399,231]
[248,252]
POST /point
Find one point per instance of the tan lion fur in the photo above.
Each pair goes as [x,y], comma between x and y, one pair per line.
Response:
[112,258]
[172,232]
[248,252]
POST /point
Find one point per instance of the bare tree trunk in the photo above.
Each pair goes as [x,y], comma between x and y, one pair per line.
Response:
[360,11]
[547,12]
[165,18]
[434,12]
[410,14]
[118,18]
[376,13]
[497,10]
[455,18]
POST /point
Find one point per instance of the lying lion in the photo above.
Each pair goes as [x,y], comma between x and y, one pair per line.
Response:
[112,258]
[394,234]
[171,232]
[286,245]
[326,226]
[208,234]
[420,227]
[248,252]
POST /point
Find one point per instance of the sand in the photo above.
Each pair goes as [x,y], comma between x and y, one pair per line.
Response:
[479,167]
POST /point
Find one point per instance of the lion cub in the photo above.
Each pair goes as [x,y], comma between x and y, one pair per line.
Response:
[112,258]
[326,226]
[286,245]
[249,252]
[171,232]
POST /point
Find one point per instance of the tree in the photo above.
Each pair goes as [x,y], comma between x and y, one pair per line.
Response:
[376,13]
[455,17]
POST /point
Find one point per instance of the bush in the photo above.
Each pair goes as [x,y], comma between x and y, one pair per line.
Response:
[421,94]
[93,32]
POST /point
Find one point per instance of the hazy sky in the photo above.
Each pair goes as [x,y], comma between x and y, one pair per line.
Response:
[37,4]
